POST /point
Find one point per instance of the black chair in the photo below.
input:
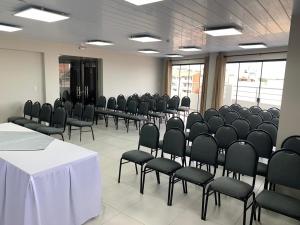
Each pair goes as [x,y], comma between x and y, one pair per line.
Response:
[45,117]
[292,142]
[34,115]
[161,107]
[58,125]
[255,109]
[275,120]
[68,106]
[192,118]
[224,109]
[270,128]
[275,112]
[111,107]
[204,151]
[185,105]
[174,144]
[209,113]
[231,116]
[119,112]
[283,169]
[149,136]
[58,103]
[241,158]
[214,123]
[132,109]
[76,113]
[254,120]
[244,112]
[120,97]
[242,127]
[100,107]
[141,115]
[172,106]
[86,121]
[263,145]
[26,112]
[235,107]
[265,115]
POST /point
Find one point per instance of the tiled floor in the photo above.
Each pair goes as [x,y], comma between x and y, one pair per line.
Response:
[123,203]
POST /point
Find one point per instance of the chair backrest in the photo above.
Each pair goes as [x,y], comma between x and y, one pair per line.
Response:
[205,149]
[214,123]
[265,115]
[231,116]
[192,118]
[66,96]
[161,106]
[197,129]
[172,104]
[209,113]
[77,111]
[225,136]
[59,118]
[101,102]
[275,120]
[88,113]
[241,158]
[186,101]
[35,110]
[274,111]
[244,112]
[57,103]
[68,108]
[255,109]
[143,108]
[235,107]
[224,109]
[174,142]
[175,123]
[121,106]
[284,168]
[166,97]
[132,107]
[262,143]
[254,120]
[46,113]
[27,108]
[152,104]
[149,136]
[177,101]
[111,103]
[242,127]
[120,97]
[292,142]
[271,129]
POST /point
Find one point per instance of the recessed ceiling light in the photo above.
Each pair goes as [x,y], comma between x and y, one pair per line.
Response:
[42,14]
[144,38]
[142,2]
[99,43]
[252,45]
[9,28]
[222,31]
[148,51]
[190,49]
[173,55]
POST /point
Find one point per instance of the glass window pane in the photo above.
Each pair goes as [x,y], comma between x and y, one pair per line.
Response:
[230,88]
[175,80]
[184,84]
[196,86]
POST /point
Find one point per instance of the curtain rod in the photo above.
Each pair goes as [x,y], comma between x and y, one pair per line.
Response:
[263,53]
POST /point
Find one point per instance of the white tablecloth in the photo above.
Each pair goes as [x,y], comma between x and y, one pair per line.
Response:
[57,186]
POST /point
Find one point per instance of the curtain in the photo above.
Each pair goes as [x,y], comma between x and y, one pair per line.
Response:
[218,90]
[204,85]
[167,76]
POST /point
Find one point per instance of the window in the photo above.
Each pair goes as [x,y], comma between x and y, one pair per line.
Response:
[252,83]
[187,81]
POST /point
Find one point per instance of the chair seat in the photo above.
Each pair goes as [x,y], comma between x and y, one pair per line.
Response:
[231,187]
[221,159]
[183,108]
[262,169]
[171,111]
[194,175]
[156,114]
[279,203]
[23,121]
[137,156]
[33,125]
[101,111]
[163,165]
[81,123]
[14,118]
[50,130]
[160,144]
[69,120]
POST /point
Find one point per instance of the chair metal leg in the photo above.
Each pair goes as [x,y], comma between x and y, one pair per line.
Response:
[157,177]
[171,191]
[62,136]
[206,202]
[216,198]
[80,132]
[93,133]
[120,168]
[219,199]
[245,213]
[143,181]
[70,130]
[203,202]
[259,212]
[136,170]
[253,209]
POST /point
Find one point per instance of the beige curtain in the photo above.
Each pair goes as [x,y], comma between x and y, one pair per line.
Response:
[204,85]
[218,90]
[167,76]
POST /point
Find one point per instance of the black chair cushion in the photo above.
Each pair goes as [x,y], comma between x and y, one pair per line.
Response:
[80,123]
[23,121]
[14,118]
[193,175]
[183,108]
[221,159]
[137,156]
[69,120]
[231,187]
[171,111]
[101,111]
[50,130]
[163,165]
[279,203]
[32,126]
[156,114]
[262,169]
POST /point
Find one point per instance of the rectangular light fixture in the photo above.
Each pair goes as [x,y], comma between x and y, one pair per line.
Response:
[42,14]
[144,38]
[252,45]
[99,43]
[222,31]
[173,55]
[190,49]
[142,2]
[148,51]
[9,28]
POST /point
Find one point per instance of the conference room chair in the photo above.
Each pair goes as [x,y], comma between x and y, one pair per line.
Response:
[58,125]
[224,109]
[45,117]
[148,138]
[275,120]
[58,103]
[271,129]
[209,113]
[242,127]
[34,115]
[275,112]
[262,142]
[185,106]
[265,115]
[166,97]
[172,106]
[214,123]
[174,145]
[68,106]
[99,107]
[204,151]
[254,120]
[120,110]
[241,158]
[231,116]
[111,107]
[292,142]
[120,97]
[76,113]
[159,114]
[87,121]
[244,112]
[284,170]
[255,109]
[192,118]
[26,112]
[235,107]
[132,108]
[141,115]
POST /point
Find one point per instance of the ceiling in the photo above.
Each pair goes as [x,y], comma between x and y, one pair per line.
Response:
[177,22]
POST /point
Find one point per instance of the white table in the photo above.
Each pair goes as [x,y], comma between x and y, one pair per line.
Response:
[60,185]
